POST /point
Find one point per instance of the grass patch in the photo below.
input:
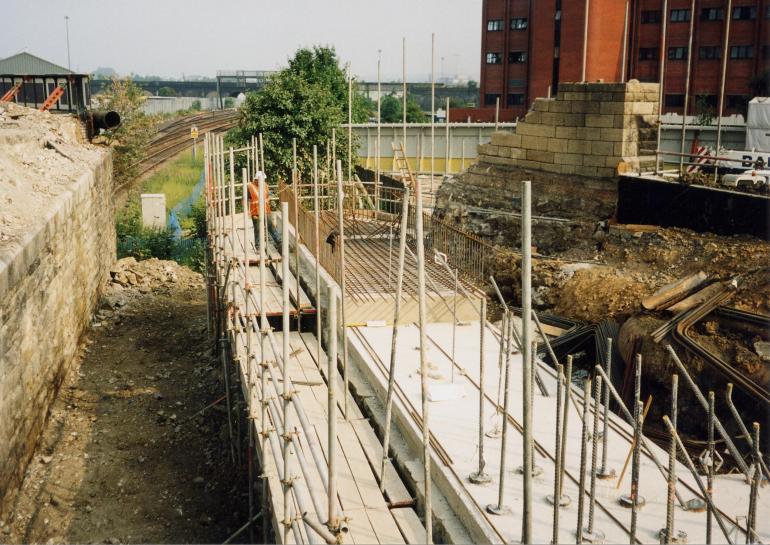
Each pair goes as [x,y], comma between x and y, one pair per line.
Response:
[176,180]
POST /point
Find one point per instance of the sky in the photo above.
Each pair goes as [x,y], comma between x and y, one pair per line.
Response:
[178,37]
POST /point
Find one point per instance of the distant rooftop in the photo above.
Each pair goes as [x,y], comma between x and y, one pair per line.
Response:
[27,64]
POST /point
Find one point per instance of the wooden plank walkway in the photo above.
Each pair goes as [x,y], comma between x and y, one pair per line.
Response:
[364,508]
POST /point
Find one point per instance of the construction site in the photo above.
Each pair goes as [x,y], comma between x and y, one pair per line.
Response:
[551,330]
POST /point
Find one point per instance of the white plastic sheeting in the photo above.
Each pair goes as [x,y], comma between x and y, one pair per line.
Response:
[758,124]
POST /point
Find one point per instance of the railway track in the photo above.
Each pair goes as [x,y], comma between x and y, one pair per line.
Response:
[174,136]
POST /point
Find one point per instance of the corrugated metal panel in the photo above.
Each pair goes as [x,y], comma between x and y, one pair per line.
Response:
[26,64]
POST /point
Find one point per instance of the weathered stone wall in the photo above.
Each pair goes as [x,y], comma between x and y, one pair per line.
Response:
[587,129]
[49,286]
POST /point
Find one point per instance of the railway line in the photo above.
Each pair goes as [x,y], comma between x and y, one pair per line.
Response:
[174,136]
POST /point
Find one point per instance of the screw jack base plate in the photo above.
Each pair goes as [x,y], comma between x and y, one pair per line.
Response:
[597,536]
[606,474]
[625,501]
[497,510]
[479,477]
[564,500]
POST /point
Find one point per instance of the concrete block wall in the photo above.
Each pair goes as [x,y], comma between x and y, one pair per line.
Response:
[588,129]
[49,289]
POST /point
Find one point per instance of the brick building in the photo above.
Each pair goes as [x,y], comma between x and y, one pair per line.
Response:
[528,47]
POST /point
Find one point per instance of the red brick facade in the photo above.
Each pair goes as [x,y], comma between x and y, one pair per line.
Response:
[529,47]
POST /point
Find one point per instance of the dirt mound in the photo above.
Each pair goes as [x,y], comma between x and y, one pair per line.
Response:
[43,155]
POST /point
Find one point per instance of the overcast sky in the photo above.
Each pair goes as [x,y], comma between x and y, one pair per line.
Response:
[176,37]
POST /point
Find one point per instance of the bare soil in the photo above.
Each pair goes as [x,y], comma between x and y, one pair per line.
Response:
[124,458]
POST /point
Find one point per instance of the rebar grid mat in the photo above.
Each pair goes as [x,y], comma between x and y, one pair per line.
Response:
[371,243]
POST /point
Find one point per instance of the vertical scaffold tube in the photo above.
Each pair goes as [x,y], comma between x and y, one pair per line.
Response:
[394,337]
[423,320]
[333,523]
[527,356]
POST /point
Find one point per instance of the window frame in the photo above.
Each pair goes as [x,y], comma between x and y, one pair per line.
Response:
[680,12]
[705,13]
[523,23]
[736,50]
[676,49]
[751,10]
[497,55]
[655,53]
[498,23]
[522,57]
[647,17]
[716,52]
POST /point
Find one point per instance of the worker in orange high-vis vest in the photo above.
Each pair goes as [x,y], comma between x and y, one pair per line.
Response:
[253,189]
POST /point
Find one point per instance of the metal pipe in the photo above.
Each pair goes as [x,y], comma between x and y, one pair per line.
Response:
[585,42]
[350,132]
[662,80]
[249,355]
[557,453]
[286,393]
[331,378]
[432,111]
[526,345]
[446,138]
[625,45]
[632,421]
[423,315]
[316,246]
[379,138]
[583,456]
[710,468]
[501,508]
[343,288]
[105,119]
[565,422]
[635,462]
[728,441]
[403,79]
[393,341]
[722,80]
[295,183]
[595,536]
[480,476]
[741,426]
[454,324]
[687,86]
[605,472]
[669,530]
[263,325]
[495,432]
[751,533]
[686,457]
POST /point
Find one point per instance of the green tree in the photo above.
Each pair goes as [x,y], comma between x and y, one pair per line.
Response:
[167,92]
[130,139]
[304,101]
[392,110]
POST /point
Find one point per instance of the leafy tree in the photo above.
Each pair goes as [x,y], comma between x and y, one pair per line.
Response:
[392,110]
[229,102]
[704,110]
[130,139]
[167,92]
[196,105]
[304,101]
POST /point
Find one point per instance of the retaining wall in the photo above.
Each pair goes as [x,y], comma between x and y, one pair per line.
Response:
[49,287]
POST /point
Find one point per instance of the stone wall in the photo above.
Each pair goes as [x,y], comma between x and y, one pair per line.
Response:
[588,129]
[50,283]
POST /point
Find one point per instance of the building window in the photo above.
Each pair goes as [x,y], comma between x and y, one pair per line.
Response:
[648,53]
[677,53]
[495,25]
[557,16]
[709,101]
[712,14]
[519,23]
[744,13]
[742,52]
[517,57]
[515,99]
[736,102]
[490,99]
[674,101]
[650,17]
[680,15]
[710,52]
[494,58]
[766,51]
